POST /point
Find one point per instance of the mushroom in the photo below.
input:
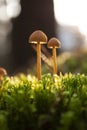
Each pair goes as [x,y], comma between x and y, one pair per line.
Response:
[3,73]
[54,43]
[38,37]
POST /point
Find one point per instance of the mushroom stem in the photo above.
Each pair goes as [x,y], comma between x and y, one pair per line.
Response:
[38,37]
[53,43]
[54,61]
[38,61]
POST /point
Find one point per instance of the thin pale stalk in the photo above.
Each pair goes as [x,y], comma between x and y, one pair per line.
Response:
[39,61]
[54,61]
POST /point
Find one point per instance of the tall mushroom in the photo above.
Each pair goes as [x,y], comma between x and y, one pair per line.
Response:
[54,43]
[38,37]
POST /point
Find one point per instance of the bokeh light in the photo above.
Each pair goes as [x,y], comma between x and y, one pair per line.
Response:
[72,12]
[13,8]
[8,9]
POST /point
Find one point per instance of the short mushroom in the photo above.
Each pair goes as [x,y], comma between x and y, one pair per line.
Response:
[3,73]
[38,37]
[54,43]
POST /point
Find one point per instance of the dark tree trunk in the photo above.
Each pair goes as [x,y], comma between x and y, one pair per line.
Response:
[35,14]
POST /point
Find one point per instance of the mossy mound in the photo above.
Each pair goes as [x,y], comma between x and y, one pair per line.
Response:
[56,102]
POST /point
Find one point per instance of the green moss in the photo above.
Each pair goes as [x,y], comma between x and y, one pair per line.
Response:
[56,102]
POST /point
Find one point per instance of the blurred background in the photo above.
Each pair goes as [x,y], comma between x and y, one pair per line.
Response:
[64,19]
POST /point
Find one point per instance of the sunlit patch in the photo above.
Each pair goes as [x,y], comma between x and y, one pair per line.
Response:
[13,9]
[72,12]
[3,13]
[10,9]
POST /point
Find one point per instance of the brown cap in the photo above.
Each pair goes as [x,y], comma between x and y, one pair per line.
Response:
[54,43]
[38,37]
[3,72]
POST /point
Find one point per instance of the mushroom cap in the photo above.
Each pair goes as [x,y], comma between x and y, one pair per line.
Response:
[54,43]
[38,37]
[3,72]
